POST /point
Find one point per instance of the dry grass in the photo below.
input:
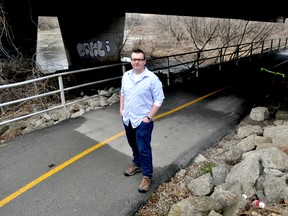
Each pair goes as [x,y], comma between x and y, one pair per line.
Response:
[14,71]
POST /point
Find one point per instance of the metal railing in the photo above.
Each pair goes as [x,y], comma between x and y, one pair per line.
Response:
[173,64]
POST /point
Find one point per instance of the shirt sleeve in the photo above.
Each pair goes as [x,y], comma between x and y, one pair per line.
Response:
[158,103]
[158,92]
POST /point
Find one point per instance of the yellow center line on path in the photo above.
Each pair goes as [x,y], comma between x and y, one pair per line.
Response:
[189,103]
[91,149]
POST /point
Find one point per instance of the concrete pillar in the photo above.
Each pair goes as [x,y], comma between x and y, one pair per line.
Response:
[92,39]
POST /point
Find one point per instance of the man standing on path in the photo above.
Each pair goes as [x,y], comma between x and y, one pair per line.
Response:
[141,97]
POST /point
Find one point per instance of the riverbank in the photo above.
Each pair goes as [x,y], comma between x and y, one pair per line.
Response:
[176,190]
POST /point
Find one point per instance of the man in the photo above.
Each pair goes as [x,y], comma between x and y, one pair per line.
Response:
[141,97]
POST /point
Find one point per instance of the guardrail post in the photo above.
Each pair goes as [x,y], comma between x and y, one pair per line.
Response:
[279,43]
[251,52]
[220,59]
[168,72]
[123,69]
[197,63]
[262,48]
[63,101]
[237,55]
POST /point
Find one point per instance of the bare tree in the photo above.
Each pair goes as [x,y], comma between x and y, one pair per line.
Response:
[131,23]
[171,25]
[6,36]
[199,33]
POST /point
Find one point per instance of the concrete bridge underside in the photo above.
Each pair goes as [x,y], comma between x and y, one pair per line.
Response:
[90,38]
[93,32]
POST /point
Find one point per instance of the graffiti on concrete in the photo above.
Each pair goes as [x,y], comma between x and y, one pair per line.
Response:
[93,49]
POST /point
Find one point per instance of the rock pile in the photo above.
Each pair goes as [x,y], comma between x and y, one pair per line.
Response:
[102,99]
[252,165]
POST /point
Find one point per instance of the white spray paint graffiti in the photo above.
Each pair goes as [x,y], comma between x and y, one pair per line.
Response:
[93,49]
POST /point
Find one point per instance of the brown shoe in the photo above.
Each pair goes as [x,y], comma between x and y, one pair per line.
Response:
[145,184]
[132,170]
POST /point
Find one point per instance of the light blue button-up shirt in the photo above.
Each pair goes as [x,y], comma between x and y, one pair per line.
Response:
[140,95]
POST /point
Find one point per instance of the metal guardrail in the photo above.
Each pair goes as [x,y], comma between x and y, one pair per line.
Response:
[164,65]
[194,61]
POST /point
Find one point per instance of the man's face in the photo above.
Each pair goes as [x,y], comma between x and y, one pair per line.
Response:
[137,60]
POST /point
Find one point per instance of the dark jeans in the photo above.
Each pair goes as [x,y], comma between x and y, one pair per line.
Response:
[139,140]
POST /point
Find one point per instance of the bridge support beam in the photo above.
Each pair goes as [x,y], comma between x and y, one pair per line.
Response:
[92,39]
